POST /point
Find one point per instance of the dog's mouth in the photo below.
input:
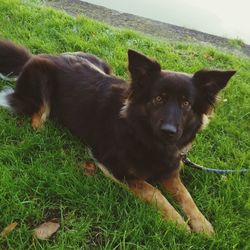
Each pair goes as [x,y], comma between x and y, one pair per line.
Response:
[170,139]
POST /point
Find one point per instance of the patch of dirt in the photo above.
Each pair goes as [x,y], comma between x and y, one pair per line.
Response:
[146,25]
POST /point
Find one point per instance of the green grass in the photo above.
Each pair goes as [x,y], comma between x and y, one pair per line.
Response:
[40,175]
[236,43]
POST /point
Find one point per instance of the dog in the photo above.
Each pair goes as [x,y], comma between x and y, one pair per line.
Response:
[137,130]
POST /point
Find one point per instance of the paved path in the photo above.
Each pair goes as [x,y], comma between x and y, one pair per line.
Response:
[147,26]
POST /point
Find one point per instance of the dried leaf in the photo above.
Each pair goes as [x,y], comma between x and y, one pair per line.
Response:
[45,230]
[8,229]
[89,168]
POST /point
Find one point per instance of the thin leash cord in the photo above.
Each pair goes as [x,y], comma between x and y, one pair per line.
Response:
[189,163]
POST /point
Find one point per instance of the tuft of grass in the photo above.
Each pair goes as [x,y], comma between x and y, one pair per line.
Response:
[40,174]
[236,43]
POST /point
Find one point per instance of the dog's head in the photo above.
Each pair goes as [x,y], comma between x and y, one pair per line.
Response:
[171,103]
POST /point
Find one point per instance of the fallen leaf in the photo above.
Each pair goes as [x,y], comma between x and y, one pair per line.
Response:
[8,229]
[45,230]
[89,168]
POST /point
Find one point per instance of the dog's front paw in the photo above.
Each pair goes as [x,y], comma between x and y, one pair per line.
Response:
[202,225]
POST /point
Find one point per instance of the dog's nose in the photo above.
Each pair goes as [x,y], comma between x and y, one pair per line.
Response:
[169,129]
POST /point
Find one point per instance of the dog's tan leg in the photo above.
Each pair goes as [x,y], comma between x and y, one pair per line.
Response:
[197,220]
[150,194]
[38,118]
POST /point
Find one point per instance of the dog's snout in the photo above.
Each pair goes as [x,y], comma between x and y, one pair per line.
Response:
[169,129]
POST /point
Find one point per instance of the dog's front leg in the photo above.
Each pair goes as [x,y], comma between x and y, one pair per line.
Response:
[150,194]
[197,220]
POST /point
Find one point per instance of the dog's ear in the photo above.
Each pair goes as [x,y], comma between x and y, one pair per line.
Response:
[208,84]
[141,67]
[212,80]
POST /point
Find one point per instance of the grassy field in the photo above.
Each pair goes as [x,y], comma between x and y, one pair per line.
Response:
[40,173]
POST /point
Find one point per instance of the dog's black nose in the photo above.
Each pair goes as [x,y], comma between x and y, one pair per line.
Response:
[169,129]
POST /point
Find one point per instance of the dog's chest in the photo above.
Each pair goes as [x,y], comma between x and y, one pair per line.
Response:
[153,165]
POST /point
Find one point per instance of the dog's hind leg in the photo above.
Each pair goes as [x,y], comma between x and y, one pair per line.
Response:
[152,195]
[196,219]
[38,118]
[32,94]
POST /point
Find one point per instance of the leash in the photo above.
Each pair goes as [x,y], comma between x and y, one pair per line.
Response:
[189,163]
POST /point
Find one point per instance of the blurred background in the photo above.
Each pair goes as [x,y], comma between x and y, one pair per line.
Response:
[226,18]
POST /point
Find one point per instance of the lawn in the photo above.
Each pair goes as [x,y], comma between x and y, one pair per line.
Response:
[41,176]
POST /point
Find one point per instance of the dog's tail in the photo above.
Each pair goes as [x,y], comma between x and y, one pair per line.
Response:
[12,59]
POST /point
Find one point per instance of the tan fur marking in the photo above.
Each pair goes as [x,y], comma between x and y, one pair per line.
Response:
[205,121]
[38,119]
[196,219]
[108,174]
[152,195]
[186,149]
[82,61]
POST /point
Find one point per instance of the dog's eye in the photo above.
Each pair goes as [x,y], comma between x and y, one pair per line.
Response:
[157,100]
[185,104]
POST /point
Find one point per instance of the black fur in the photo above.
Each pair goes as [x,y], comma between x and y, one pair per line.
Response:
[12,58]
[136,130]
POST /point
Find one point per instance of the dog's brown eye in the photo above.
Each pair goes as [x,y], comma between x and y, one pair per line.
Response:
[185,104]
[158,99]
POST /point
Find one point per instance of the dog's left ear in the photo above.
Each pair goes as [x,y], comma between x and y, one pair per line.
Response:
[208,84]
[141,67]
[212,80]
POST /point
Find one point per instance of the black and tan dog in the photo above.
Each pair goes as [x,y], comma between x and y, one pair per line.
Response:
[136,131]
